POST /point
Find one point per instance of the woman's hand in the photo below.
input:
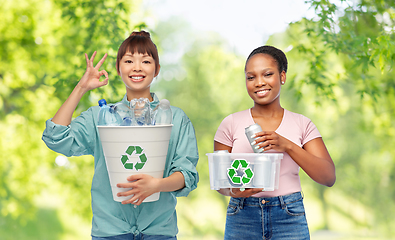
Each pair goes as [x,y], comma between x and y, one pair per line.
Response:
[313,157]
[91,78]
[240,192]
[142,185]
[268,140]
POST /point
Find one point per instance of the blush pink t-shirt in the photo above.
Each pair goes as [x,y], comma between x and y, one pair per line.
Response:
[295,127]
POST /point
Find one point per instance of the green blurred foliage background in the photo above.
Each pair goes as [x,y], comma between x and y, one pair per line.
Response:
[340,75]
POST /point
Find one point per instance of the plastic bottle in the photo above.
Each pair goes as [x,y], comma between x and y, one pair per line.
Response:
[126,114]
[142,111]
[163,115]
[107,115]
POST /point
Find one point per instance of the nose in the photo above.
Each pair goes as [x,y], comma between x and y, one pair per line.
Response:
[259,81]
[137,67]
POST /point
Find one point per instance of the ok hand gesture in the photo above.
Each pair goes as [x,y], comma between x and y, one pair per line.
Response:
[91,78]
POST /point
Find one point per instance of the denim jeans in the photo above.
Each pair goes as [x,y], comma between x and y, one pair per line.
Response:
[140,236]
[281,217]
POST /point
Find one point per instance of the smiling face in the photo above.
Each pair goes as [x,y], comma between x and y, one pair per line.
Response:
[263,79]
[137,71]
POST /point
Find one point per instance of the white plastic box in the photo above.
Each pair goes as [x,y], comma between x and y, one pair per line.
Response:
[244,170]
[130,150]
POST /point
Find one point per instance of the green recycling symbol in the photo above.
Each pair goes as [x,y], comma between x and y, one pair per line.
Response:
[134,150]
[247,175]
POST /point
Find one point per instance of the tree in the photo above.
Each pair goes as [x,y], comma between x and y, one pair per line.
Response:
[42,59]
[344,74]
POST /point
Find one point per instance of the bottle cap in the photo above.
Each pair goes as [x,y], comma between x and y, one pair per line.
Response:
[102,102]
[164,103]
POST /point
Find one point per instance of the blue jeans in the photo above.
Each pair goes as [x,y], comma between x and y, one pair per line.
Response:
[140,236]
[281,217]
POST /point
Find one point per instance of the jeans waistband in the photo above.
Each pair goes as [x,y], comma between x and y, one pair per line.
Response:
[269,201]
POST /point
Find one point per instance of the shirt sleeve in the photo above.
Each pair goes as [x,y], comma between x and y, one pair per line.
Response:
[73,140]
[185,157]
[310,131]
[224,133]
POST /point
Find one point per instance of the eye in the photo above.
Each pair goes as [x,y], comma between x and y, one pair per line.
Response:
[250,77]
[268,74]
[128,61]
[146,62]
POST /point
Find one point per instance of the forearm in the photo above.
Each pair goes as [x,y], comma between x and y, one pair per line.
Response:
[224,191]
[65,113]
[172,183]
[320,169]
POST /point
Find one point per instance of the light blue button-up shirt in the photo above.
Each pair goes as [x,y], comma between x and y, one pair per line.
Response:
[112,218]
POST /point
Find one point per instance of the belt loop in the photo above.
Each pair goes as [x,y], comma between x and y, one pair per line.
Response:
[241,204]
[283,205]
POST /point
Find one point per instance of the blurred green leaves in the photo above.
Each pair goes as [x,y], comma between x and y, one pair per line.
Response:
[341,71]
[42,46]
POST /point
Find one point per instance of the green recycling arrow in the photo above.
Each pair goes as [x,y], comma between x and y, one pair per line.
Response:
[247,176]
[129,152]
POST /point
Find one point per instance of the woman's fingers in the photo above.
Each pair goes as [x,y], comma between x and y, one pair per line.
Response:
[98,65]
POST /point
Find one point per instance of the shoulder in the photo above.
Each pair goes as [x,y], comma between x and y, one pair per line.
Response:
[238,116]
[179,116]
[178,112]
[296,117]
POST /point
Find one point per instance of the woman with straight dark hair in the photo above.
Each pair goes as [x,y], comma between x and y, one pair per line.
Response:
[137,65]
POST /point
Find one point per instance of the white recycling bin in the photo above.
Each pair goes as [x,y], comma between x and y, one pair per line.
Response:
[132,150]
[244,170]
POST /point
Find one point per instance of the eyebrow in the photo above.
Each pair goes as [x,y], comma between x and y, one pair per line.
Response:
[265,69]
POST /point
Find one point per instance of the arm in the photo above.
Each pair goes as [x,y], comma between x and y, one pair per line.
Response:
[313,158]
[144,186]
[89,81]
[234,192]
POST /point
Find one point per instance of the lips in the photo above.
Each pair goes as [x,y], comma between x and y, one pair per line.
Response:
[262,92]
[137,78]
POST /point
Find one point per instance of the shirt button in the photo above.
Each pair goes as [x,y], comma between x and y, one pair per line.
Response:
[263,201]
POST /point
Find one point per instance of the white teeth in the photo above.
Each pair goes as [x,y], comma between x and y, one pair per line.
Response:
[136,78]
[262,91]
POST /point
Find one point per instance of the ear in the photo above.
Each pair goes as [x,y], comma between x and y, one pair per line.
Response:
[157,71]
[283,77]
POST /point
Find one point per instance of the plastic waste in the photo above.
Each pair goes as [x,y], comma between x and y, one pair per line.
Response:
[163,114]
[142,111]
[107,115]
[126,114]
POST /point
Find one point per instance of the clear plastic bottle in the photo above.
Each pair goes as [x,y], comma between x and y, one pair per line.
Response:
[163,115]
[126,114]
[107,115]
[142,111]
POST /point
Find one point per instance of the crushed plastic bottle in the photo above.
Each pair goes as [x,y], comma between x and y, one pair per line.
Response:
[126,114]
[107,115]
[163,114]
[142,111]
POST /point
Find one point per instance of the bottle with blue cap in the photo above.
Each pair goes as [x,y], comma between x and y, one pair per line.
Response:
[107,115]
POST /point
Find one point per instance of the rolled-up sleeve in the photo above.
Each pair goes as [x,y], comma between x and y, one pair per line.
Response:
[185,157]
[72,140]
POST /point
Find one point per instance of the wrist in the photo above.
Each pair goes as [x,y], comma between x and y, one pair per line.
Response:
[79,91]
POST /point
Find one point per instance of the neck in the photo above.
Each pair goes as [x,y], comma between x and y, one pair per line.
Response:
[270,110]
[140,94]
